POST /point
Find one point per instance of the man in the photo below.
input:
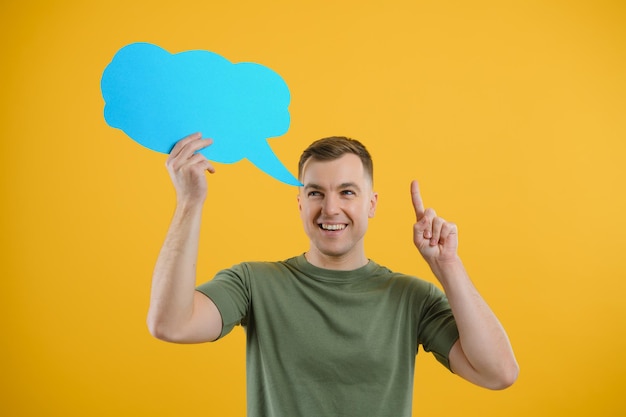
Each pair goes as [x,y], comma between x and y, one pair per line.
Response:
[329,332]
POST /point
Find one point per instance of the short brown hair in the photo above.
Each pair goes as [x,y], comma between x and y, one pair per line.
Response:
[334,147]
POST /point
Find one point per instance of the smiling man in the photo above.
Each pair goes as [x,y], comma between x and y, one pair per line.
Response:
[336,201]
[329,332]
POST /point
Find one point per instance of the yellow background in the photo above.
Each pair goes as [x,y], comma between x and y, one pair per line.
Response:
[511,114]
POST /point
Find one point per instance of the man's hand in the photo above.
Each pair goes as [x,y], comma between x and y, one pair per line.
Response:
[186,168]
[435,238]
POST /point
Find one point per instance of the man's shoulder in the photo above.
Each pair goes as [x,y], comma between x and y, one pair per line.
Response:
[273,267]
[405,280]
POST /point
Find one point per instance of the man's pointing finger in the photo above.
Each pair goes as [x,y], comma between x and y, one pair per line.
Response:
[418,204]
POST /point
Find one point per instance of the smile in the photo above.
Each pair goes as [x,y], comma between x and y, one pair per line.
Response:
[326,226]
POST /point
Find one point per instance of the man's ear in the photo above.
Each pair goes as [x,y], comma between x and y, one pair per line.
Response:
[299,205]
[373,204]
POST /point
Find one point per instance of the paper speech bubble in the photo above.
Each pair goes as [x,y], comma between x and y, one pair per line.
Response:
[157,98]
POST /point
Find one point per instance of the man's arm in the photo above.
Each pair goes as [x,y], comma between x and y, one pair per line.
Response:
[177,312]
[483,353]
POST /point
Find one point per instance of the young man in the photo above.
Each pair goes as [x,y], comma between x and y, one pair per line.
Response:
[329,332]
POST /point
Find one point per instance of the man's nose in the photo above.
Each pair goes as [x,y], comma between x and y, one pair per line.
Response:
[331,205]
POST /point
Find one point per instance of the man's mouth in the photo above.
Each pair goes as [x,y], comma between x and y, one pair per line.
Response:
[332,227]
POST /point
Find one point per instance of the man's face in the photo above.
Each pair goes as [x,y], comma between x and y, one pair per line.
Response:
[336,201]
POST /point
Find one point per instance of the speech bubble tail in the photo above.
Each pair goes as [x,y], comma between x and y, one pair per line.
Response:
[264,158]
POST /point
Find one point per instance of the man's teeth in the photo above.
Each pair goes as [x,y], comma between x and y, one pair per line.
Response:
[333,226]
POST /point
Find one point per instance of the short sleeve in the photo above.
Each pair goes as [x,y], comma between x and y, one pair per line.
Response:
[230,292]
[437,331]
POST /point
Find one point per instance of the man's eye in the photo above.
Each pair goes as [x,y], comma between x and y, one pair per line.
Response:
[348,192]
[314,194]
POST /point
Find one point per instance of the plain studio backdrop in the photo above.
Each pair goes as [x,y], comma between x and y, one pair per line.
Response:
[510,114]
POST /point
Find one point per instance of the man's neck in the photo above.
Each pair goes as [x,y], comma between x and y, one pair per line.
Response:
[348,262]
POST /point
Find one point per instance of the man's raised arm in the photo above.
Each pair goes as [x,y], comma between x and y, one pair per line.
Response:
[483,353]
[177,312]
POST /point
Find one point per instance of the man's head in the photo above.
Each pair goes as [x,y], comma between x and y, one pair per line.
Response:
[335,147]
[336,200]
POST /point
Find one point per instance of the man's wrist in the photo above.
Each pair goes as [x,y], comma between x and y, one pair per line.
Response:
[449,271]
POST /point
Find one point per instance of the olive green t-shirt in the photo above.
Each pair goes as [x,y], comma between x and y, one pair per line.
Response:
[331,343]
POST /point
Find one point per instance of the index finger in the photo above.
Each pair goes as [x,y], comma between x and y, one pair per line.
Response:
[416,197]
[184,141]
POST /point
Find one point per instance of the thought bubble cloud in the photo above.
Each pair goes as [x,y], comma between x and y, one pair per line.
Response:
[157,98]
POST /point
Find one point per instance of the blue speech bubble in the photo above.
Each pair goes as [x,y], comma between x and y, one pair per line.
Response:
[157,98]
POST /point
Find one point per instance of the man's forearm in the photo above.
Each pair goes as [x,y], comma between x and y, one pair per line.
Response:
[173,281]
[483,339]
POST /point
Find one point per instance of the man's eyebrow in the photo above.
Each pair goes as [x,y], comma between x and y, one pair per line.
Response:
[342,186]
[313,186]
[350,185]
